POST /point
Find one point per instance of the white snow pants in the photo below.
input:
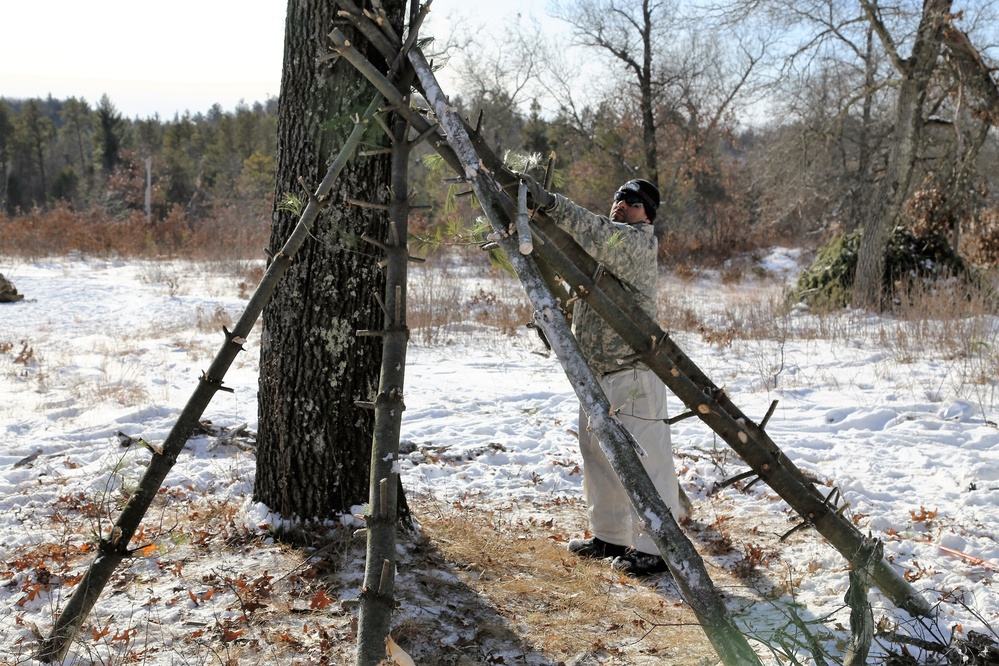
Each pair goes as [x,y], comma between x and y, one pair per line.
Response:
[639,398]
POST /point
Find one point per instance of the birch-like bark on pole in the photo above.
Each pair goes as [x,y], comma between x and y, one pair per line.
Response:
[619,446]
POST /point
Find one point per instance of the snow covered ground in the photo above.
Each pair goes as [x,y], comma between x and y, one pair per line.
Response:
[102,351]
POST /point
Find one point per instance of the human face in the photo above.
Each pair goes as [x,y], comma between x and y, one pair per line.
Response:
[629,213]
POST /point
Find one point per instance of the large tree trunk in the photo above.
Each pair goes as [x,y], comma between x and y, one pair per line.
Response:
[916,71]
[313,443]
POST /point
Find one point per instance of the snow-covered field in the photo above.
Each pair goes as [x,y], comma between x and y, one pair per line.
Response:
[100,352]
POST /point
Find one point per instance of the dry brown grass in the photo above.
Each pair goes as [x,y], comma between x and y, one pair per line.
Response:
[117,381]
[474,587]
[947,321]
[62,230]
[448,295]
[564,606]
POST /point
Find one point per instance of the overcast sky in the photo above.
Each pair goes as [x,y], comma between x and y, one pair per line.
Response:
[166,58]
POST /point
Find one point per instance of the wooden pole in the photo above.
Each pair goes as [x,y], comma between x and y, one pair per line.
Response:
[617,442]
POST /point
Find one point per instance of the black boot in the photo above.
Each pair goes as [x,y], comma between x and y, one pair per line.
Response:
[638,563]
[596,548]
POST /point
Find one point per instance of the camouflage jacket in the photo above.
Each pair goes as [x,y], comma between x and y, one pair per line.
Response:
[628,253]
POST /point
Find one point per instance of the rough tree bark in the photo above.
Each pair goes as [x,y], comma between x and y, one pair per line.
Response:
[313,442]
[978,92]
[862,184]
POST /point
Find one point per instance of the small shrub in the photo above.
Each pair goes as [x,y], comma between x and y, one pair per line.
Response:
[8,292]
[213,321]
[26,354]
[684,271]
[733,273]
[828,283]
[254,273]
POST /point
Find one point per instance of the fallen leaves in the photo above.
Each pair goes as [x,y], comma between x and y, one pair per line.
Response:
[923,515]
[203,597]
[319,600]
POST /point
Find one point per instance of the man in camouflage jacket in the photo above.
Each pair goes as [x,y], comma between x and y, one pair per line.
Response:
[624,243]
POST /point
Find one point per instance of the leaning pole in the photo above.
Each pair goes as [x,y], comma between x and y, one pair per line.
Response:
[113,548]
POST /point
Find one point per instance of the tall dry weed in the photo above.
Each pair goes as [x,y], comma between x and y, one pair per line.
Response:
[449,299]
[951,322]
[948,322]
[94,231]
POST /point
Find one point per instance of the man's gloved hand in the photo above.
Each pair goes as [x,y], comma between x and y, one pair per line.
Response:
[541,198]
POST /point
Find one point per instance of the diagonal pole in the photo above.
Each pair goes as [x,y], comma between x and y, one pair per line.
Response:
[617,442]
[674,367]
[113,548]
[714,407]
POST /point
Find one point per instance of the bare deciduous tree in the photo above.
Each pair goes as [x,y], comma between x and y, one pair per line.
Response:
[682,80]
[629,31]
[915,71]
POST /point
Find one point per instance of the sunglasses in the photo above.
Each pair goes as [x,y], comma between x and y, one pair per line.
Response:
[631,199]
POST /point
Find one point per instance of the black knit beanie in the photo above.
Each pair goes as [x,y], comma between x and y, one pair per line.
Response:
[647,192]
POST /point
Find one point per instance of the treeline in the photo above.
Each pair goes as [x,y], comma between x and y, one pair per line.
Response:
[67,155]
[730,184]
[797,178]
